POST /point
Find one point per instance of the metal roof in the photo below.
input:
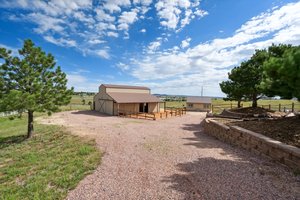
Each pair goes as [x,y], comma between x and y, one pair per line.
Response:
[125,87]
[133,97]
[198,100]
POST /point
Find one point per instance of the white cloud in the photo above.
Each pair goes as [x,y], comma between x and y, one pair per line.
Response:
[153,46]
[127,18]
[103,53]
[185,43]
[112,34]
[61,41]
[123,66]
[143,30]
[115,5]
[171,12]
[82,83]
[209,62]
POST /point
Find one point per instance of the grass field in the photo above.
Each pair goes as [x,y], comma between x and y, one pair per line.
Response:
[46,166]
[220,104]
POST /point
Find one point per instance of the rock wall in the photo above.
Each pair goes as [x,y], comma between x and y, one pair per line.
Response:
[254,142]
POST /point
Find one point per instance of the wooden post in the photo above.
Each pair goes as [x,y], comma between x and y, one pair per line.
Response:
[231,105]
[164,106]
[279,107]
[293,106]
[284,109]
[212,108]
[269,106]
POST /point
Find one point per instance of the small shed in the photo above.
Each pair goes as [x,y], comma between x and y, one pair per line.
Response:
[197,103]
[125,99]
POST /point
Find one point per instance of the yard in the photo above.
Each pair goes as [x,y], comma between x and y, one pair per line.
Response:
[171,159]
[46,166]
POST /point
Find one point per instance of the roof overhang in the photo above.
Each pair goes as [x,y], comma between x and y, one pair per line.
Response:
[133,97]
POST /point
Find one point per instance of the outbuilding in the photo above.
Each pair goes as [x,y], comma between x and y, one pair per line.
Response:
[124,100]
[197,103]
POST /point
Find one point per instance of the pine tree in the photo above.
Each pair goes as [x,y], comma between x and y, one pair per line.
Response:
[31,81]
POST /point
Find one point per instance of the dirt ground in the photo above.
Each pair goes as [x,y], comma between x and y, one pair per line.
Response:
[286,130]
[171,159]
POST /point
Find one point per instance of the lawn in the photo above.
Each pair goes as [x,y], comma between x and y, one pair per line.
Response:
[46,166]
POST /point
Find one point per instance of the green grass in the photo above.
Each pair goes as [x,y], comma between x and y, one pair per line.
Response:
[46,166]
[175,104]
[220,104]
[77,99]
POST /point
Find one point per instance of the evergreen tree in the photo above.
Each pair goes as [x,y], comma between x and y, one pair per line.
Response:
[31,81]
[282,72]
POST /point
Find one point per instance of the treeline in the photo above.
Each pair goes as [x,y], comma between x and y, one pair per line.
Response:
[85,93]
[270,72]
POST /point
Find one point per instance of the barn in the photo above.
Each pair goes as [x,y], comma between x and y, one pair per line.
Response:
[197,103]
[124,99]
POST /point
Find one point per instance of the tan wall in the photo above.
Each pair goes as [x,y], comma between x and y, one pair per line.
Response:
[198,107]
[128,107]
[127,90]
[103,102]
[134,107]
[152,107]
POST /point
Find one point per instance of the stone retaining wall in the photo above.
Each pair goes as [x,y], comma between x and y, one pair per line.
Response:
[254,142]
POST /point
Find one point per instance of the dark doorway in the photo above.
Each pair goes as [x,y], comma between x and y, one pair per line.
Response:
[143,107]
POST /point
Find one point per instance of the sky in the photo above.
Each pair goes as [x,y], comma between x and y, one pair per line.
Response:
[174,47]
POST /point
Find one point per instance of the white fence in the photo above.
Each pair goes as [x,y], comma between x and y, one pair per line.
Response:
[5,114]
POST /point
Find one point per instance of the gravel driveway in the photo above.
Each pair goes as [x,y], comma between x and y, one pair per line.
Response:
[171,159]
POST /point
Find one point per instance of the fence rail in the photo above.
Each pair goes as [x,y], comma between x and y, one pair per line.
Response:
[169,112]
[292,107]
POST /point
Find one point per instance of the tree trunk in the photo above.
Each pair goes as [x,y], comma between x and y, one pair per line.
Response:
[30,124]
[239,103]
[254,102]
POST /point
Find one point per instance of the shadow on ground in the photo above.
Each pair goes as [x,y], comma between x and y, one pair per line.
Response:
[200,139]
[90,112]
[229,174]
[210,178]
[6,141]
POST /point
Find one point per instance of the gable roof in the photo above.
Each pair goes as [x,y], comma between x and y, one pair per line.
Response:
[125,87]
[198,100]
[133,97]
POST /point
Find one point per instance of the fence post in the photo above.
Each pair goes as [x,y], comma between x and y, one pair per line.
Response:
[231,105]
[279,107]
[212,108]
[293,106]
[269,106]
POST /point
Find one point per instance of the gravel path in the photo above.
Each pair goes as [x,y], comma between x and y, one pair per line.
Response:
[171,159]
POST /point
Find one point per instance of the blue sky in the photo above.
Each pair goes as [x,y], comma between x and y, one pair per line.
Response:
[173,47]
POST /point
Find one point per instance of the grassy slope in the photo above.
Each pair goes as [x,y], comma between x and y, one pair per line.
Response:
[45,167]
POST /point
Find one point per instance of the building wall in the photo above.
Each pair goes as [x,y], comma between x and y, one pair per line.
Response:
[103,102]
[152,107]
[127,90]
[128,108]
[198,107]
[134,108]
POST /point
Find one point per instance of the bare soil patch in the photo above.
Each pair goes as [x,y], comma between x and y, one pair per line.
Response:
[286,130]
[171,159]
